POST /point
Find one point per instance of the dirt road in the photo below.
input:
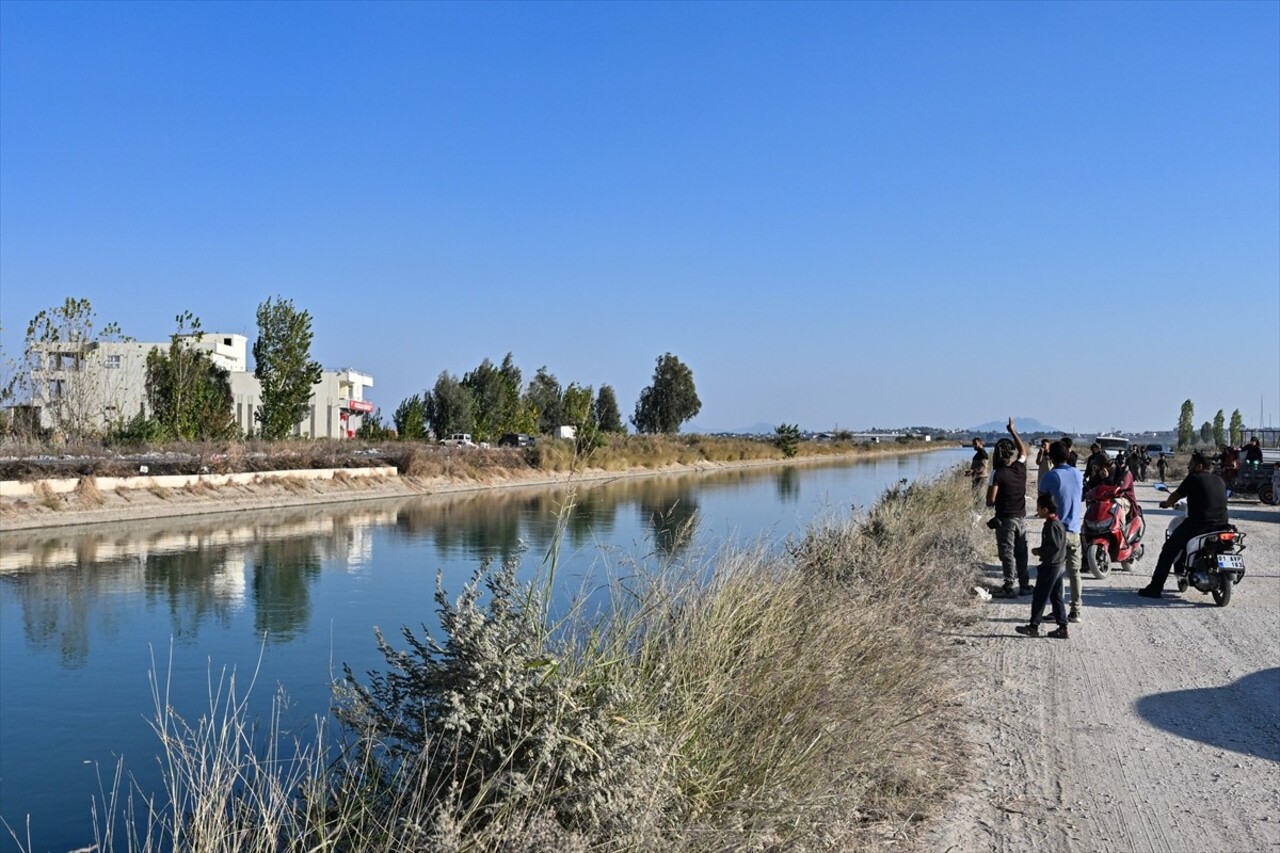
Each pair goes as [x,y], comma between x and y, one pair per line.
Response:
[1156,727]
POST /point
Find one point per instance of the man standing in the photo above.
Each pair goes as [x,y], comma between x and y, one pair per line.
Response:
[978,467]
[1162,467]
[1206,495]
[1008,494]
[1067,487]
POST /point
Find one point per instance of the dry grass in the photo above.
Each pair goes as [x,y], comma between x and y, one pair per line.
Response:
[293,485]
[773,700]
[46,497]
[159,491]
[200,488]
[87,492]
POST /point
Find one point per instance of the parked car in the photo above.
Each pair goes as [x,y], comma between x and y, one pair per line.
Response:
[515,439]
[1154,451]
[458,439]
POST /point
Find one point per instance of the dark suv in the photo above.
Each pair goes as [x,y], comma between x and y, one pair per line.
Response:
[515,439]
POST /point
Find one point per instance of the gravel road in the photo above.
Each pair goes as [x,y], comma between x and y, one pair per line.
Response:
[1156,727]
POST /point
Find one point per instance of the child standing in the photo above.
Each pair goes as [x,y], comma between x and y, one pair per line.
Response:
[1053,563]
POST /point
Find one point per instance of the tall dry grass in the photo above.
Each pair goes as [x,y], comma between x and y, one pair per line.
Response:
[765,700]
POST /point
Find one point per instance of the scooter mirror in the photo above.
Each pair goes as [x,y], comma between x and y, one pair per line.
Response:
[1160,487]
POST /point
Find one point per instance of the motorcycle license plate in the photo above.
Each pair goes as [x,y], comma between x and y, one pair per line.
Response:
[1230,561]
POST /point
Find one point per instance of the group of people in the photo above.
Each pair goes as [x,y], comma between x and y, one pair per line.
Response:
[1232,458]
[1060,504]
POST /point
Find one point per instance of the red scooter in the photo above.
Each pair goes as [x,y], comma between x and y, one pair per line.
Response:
[1102,537]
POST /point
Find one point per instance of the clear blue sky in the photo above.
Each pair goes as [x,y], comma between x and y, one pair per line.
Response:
[859,214]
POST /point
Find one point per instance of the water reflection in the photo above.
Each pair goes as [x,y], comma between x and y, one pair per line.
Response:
[788,484]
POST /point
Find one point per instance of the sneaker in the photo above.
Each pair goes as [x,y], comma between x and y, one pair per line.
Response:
[1059,633]
[1005,592]
[1074,615]
[1148,592]
[1025,590]
[1028,630]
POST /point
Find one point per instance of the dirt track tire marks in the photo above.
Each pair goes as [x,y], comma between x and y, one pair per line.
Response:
[1156,727]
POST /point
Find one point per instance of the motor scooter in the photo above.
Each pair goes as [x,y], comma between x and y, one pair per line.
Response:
[1104,538]
[1211,562]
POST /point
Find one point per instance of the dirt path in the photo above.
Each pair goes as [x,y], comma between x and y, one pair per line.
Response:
[1156,727]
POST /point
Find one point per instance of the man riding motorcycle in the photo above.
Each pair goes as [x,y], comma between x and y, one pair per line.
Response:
[1206,495]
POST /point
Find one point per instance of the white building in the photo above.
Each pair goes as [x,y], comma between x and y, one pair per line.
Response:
[95,387]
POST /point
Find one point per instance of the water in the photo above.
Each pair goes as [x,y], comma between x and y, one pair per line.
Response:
[83,615]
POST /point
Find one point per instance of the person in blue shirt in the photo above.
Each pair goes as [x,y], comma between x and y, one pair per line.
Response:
[1066,485]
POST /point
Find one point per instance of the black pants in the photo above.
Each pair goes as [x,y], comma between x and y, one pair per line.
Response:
[1182,534]
[1049,588]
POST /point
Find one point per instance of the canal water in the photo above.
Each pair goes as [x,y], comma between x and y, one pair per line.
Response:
[283,599]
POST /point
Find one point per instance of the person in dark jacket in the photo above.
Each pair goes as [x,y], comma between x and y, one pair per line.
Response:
[1008,495]
[1053,561]
[1206,495]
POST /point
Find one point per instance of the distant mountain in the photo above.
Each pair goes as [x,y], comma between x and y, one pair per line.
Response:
[758,429]
[1024,425]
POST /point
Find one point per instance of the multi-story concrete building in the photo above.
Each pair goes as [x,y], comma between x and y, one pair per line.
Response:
[88,388]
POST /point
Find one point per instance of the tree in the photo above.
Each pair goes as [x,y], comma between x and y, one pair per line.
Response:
[1206,432]
[496,395]
[282,363]
[1186,425]
[577,406]
[543,398]
[449,407]
[371,427]
[410,418]
[61,371]
[787,439]
[608,418]
[189,395]
[1218,433]
[669,401]
[1237,428]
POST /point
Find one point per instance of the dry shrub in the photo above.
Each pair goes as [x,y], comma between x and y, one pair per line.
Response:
[199,488]
[123,493]
[46,496]
[87,492]
[159,491]
[295,485]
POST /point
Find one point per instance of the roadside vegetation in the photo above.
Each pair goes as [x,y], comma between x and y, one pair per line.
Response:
[794,699]
[34,460]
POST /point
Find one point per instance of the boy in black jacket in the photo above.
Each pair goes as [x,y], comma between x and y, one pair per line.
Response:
[1053,563]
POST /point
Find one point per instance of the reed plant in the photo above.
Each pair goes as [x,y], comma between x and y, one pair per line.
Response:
[763,699]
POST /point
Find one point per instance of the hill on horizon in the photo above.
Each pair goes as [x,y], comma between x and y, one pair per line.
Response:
[1024,425]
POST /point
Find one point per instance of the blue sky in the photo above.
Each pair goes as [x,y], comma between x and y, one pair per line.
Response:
[853,214]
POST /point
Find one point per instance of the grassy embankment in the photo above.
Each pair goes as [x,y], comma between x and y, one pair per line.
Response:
[786,700]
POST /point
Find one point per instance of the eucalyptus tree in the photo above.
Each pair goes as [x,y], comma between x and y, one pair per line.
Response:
[608,418]
[671,400]
[449,407]
[283,365]
[544,397]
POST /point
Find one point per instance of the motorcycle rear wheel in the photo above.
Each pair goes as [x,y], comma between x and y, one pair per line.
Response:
[1097,560]
[1222,592]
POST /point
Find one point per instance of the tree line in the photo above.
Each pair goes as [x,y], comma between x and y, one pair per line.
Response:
[187,395]
[492,400]
[1215,432]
